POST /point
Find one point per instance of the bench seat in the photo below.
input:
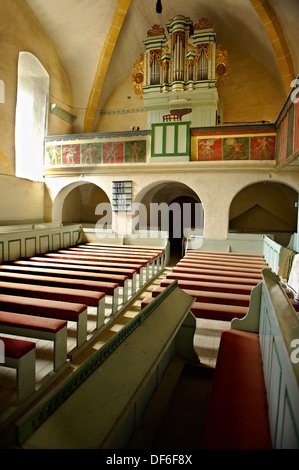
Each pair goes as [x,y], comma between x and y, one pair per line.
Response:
[105,262]
[89,298]
[211,297]
[184,267]
[76,264]
[70,273]
[226,261]
[20,354]
[56,279]
[226,254]
[59,258]
[69,270]
[31,326]
[159,252]
[220,266]
[185,275]
[237,413]
[105,257]
[136,255]
[51,309]
[208,311]
[209,286]
[127,247]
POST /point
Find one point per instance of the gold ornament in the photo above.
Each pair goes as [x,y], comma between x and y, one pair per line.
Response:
[222,67]
[138,75]
[204,23]
[155,31]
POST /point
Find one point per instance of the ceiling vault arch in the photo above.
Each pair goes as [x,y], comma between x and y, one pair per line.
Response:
[108,48]
[262,7]
[278,40]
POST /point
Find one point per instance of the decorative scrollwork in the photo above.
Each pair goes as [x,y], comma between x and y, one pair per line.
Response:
[155,53]
[222,67]
[204,23]
[155,31]
[138,75]
[202,48]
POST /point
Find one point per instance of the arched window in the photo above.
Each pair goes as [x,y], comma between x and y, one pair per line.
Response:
[31,117]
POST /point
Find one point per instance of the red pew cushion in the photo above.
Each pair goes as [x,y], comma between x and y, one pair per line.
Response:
[237,416]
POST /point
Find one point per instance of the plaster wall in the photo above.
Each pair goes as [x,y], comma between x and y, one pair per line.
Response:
[20,200]
[20,31]
[215,188]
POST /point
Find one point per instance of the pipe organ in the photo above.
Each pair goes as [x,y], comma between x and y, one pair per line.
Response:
[180,71]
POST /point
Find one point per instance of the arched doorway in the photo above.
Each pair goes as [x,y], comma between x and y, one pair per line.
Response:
[267,207]
[174,208]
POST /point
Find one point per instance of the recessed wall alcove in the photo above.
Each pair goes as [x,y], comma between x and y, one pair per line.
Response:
[264,207]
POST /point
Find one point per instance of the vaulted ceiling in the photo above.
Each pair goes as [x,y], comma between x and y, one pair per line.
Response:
[99,40]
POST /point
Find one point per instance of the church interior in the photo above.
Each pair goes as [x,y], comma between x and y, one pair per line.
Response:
[149,276]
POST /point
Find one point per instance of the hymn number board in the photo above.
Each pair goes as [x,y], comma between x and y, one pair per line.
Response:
[122,196]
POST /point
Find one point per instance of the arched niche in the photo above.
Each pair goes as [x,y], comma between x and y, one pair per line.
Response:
[78,202]
[265,207]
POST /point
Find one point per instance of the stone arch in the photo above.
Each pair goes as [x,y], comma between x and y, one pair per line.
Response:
[176,201]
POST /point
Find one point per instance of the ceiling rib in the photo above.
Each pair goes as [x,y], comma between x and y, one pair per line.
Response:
[278,40]
[119,16]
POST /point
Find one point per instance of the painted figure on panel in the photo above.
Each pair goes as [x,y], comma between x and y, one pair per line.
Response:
[91,153]
[113,152]
[236,148]
[135,151]
[71,154]
[210,149]
[54,153]
[263,148]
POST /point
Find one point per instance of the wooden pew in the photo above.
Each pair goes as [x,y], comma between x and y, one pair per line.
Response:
[108,258]
[141,248]
[193,267]
[30,326]
[225,298]
[119,381]
[151,257]
[254,401]
[92,281]
[86,297]
[226,260]
[237,415]
[115,253]
[185,275]
[20,355]
[48,309]
[210,311]
[208,286]
[225,254]
[69,258]
[37,261]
